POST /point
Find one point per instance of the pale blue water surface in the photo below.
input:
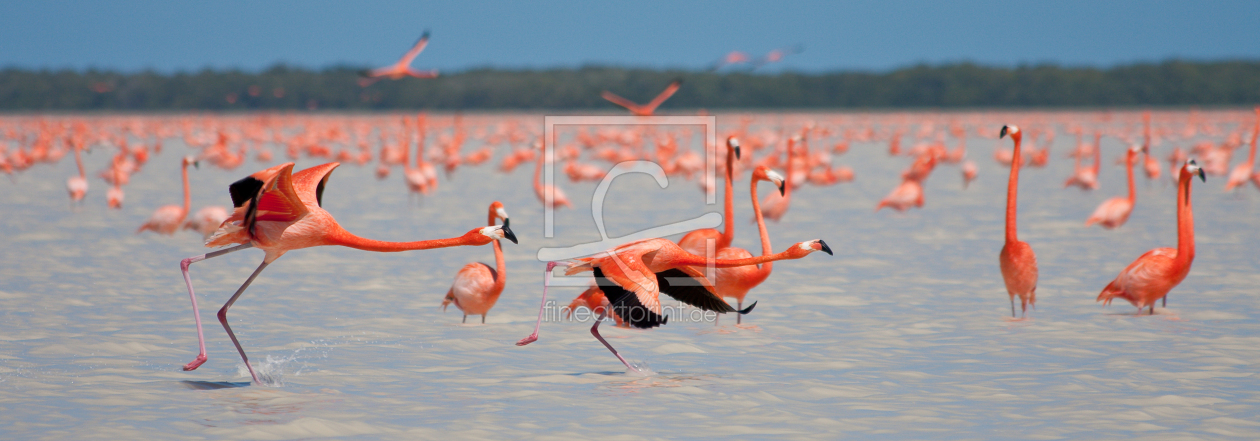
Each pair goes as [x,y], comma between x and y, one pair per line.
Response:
[903,334]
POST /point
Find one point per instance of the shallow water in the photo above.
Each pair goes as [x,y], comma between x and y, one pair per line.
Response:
[904,333]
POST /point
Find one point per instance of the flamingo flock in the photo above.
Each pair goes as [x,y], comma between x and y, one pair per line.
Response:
[279,209]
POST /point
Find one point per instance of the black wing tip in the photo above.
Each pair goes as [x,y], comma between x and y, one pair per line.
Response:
[678,80]
[748,309]
[244,190]
[425,35]
[365,73]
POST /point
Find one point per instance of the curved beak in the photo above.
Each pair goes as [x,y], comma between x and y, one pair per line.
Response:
[825,248]
[782,185]
[197,165]
[737,152]
[1003,134]
[507,232]
[1202,176]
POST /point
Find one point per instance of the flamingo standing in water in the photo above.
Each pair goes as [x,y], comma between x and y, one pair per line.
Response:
[207,220]
[558,199]
[77,186]
[776,204]
[477,286]
[400,69]
[1154,274]
[114,197]
[168,218]
[1149,165]
[735,282]
[1017,259]
[1243,172]
[278,211]
[633,275]
[696,242]
[645,109]
[1087,177]
[1115,212]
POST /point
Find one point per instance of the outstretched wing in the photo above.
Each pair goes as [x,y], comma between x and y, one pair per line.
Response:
[627,305]
[619,100]
[665,94]
[692,289]
[415,49]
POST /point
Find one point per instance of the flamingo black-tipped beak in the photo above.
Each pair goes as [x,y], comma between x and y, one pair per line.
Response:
[197,165]
[736,152]
[1003,134]
[825,248]
[782,187]
[507,232]
[1202,176]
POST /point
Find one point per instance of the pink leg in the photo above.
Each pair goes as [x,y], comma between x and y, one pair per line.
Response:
[595,332]
[546,281]
[201,338]
[224,321]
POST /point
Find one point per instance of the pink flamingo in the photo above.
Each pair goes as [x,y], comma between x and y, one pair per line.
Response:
[645,109]
[402,68]
[1155,273]
[558,199]
[77,186]
[278,211]
[1087,177]
[1243,172]
[635,274]
[477,286]
[735,282]
[1017,259]
[207,220]
[168,218]
[696,242]
[1114,212]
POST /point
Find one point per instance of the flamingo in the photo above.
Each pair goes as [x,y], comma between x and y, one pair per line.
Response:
[1087,177]
[1243,172]
[776,204]
[1017,259]
[207,220]
[77,186]
[114,197]
[907,194]
[633,275]
[278,211]
[645,109]
[1155,273]
[558,199]
[696,242]
[595,300]
[968,172]
[1149,165]
[400,69]
[735,282]
[477,286]
[168,218]
[1114,212]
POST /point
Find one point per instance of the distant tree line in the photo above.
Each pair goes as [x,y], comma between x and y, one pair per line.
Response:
[946,86]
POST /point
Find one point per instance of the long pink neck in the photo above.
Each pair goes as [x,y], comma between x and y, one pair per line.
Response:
[83,174]
[787,194]
[693,260]
[764,270]
[344,238]
[500,268]
[404,143]
[1185,221]
[1097,153]
[538,168]
[728,231]
[420,142]
[1012,191]
[187,193]
[1128,166]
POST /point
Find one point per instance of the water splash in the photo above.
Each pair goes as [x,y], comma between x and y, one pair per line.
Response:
[641,369]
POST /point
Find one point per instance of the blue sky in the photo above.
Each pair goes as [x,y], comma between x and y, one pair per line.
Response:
[132,35]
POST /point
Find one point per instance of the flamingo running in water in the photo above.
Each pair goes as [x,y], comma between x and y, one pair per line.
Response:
[400,69]
[696,242]
[1115,212]
[645,109]
[168,218]
[477,286]
[278,211]
[634,275]
[1017,259]
[1154,274]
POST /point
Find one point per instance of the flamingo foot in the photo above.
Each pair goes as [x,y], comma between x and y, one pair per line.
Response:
[193,365]
[527,340]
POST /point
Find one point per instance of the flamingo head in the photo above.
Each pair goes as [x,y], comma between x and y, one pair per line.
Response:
[189,160]
[499,211]
[499,232]
[1012,130]
[803,249]
[1193,169]
[733,143]
[763,173]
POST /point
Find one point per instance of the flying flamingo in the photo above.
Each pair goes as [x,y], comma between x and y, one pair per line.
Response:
[1018,262]
[1242,172]
[477,286]
[696,242]
[1114,212]
[645,109]
[633,275]
[735,282]
[400,69]
[77,186]
[1155,273]
[168,218]
[558,199]
[1087,177]
[278,211]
